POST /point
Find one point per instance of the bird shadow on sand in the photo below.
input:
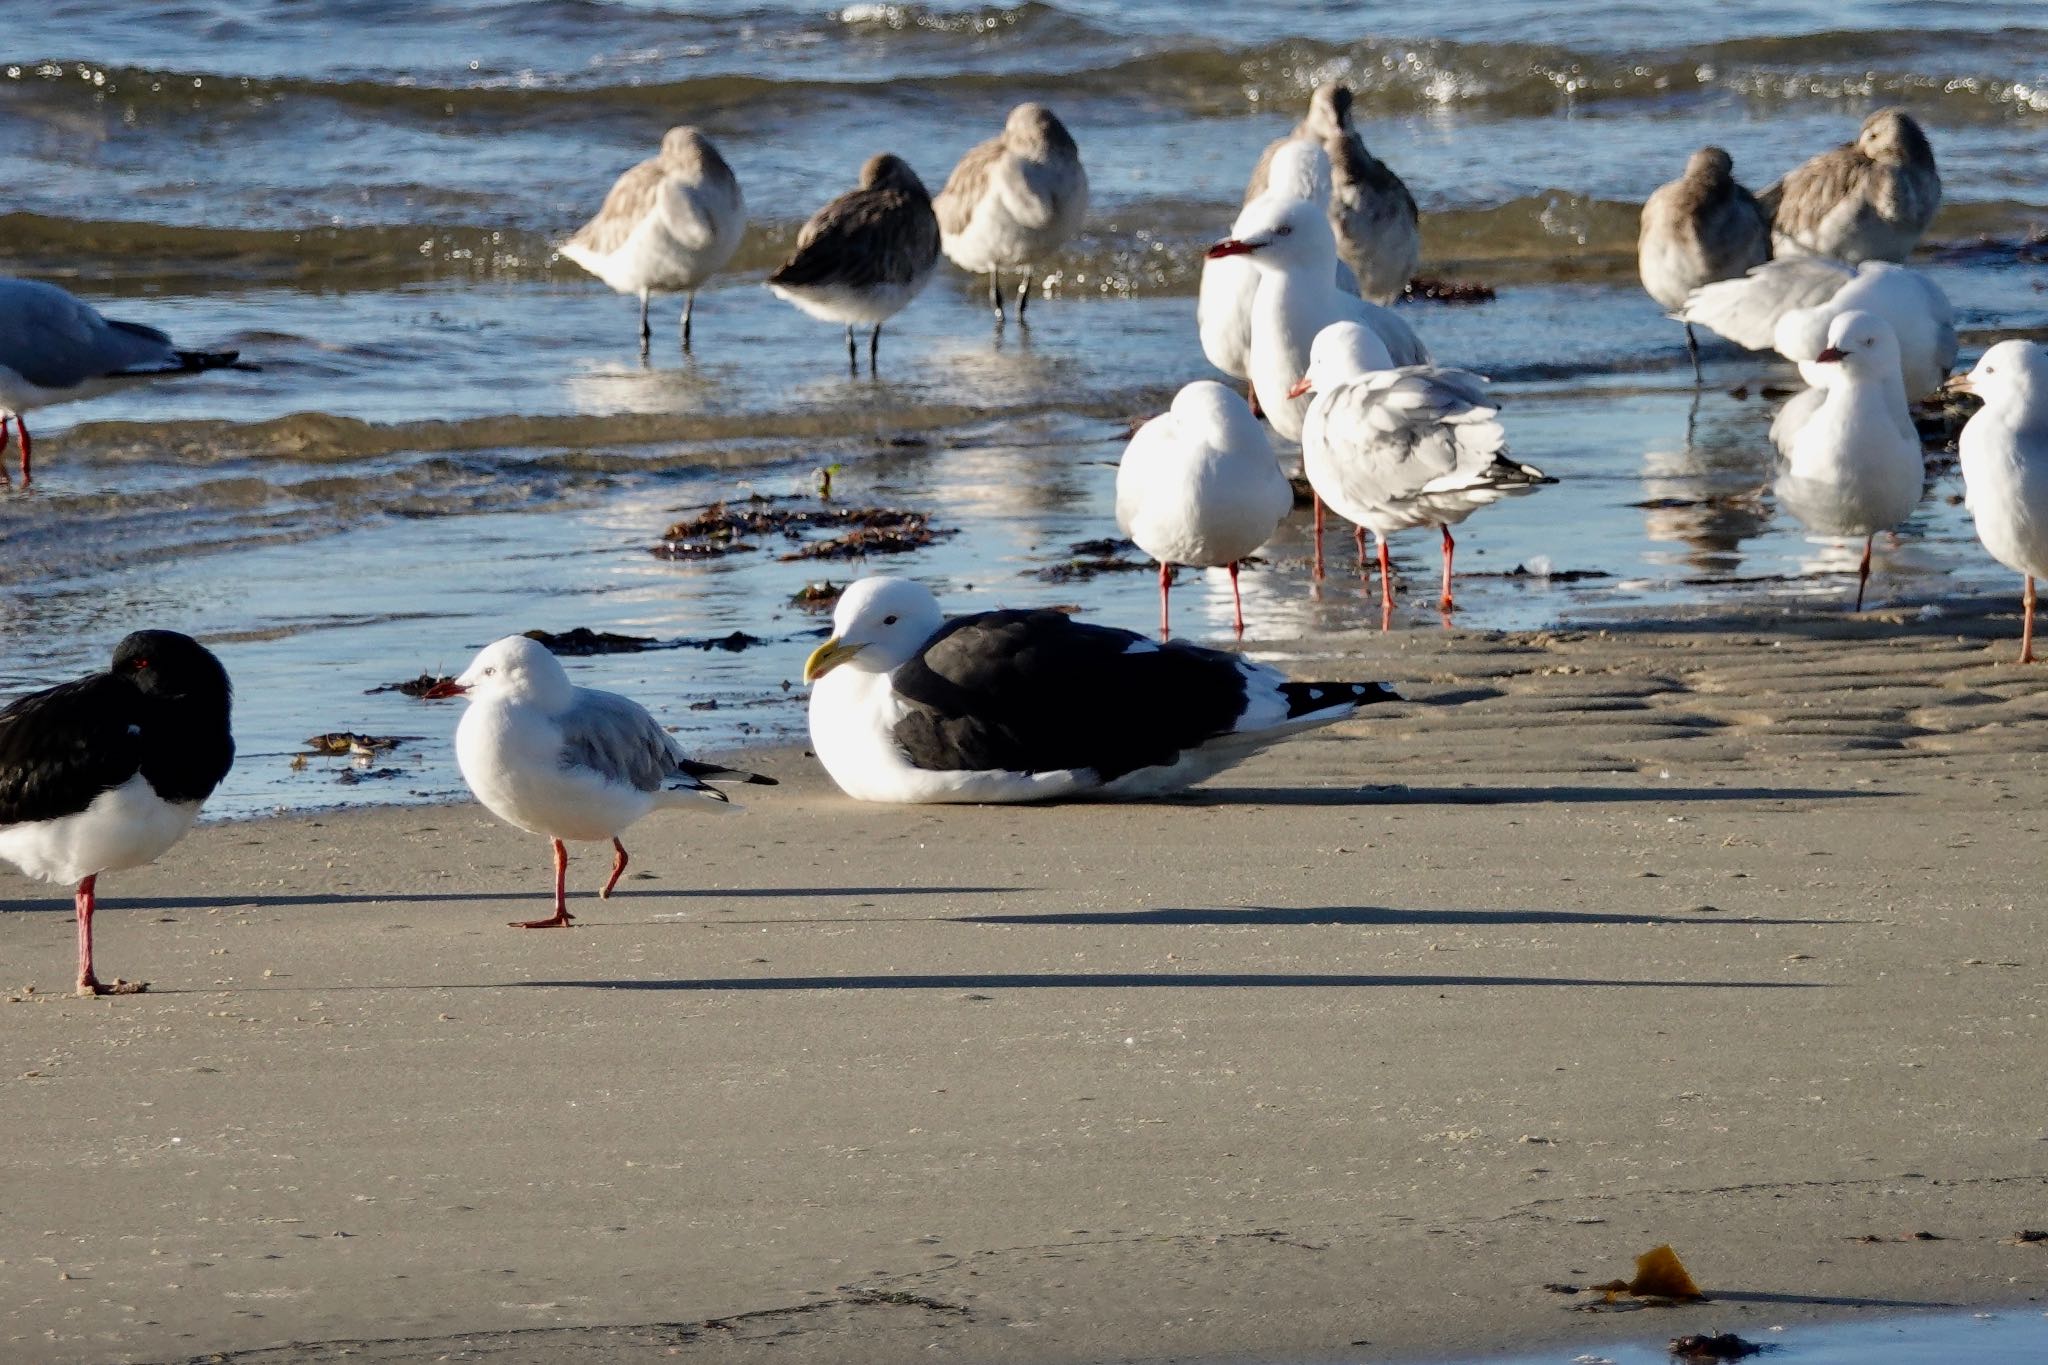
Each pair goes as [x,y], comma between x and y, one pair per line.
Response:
[1825,1300]
[1403,795]
[512,897]
[1000,981]
[1375,916]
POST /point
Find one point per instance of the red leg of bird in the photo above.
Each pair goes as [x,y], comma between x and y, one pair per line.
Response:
[4,420]
[1358,544]
[1450,546]
[1251,396]
[561,917]
[1863,572]
[1165,586]
[1319,533]
[2027,629]
[1236,602]
[1386,585]
[618,867]
[88,982]
[21,425]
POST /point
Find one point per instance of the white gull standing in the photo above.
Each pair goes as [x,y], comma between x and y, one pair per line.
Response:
[668,224]
[108,772]
[568,762]
[1852,463]
[1702,227]
[55,348]
[2005,464]
[1199,485]
[1298,172]
[1787,306]
[1291,245]
[1371,211]
[1870,199]
[863,257]
[1004,706]
[1013,201]
[1396,448]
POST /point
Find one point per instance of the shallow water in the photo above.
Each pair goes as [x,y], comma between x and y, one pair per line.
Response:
[2017,1337]
[452,437]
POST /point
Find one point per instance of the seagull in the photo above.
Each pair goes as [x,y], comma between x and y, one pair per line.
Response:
[669,223]
[1870,199]
[865,255]
[1291,245]
[1004,706]
[1852,463]
[1297,172]
[1199,485]
[1013,201]
[2005,464]
[1394,448]
[55,348]
[1787,306]
[1697,229]
[569,762]
[1371,211]
[106,773]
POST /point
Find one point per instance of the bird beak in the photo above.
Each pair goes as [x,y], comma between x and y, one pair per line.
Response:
[1231,246]
[1829,356]
[1301,386]
[449,688]
[827,657]
[1957,383]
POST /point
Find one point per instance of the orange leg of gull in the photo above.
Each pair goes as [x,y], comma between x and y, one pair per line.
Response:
[1358,542]
[1386,585]
[618,867]
[1165,586]
[1863,571]
[2027,629]
[1450,546]
[561,917]
[88,983]
[1319,533]
[1236,602]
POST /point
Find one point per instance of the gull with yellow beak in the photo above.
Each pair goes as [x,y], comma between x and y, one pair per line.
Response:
[1007,706]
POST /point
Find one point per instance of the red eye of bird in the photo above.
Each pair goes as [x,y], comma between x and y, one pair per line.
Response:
[139,665]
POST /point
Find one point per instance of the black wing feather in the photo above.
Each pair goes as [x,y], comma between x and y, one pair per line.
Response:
[61,747]
[1035,691]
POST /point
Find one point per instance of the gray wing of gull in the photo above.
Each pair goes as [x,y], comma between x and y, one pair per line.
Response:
[1420,430]
[617,739]
[57,341]
[1746,310]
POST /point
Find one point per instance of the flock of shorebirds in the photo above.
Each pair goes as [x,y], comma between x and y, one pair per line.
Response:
[909,706]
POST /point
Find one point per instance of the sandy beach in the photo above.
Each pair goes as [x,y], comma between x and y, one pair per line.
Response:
[1720,931]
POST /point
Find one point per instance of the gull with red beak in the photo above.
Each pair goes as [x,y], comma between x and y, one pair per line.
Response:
[1199,485]
[1852,462]
[1393,448]
[1291,245]
[569,762]
[2005,464]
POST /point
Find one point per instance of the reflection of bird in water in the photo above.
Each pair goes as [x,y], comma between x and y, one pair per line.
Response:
[1706,498]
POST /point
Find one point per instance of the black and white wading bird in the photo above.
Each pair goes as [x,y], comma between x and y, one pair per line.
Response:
[55,348]
[863,257]
[106,773]
[1008,706]
[668,225]
[569,762]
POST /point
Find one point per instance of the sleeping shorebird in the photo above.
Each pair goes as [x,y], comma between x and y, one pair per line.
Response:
[1870,199]
[1291,245]
[669,224]
[865,255]
[1006,706]
[106,773]
[1199,485]
[1371,211]
[1699,228]
[54,348]
[1013,201]
[1852,460]
[2005,464]
[568,762]
[1394,448]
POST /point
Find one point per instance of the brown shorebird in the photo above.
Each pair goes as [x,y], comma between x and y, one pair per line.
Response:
[1867,200]
[865,255]
[1013,201]
[1700,228]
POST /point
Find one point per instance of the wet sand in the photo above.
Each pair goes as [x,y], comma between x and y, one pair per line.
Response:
[1723,932]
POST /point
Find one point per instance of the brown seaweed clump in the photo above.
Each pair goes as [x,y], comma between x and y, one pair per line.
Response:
[1430,289]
